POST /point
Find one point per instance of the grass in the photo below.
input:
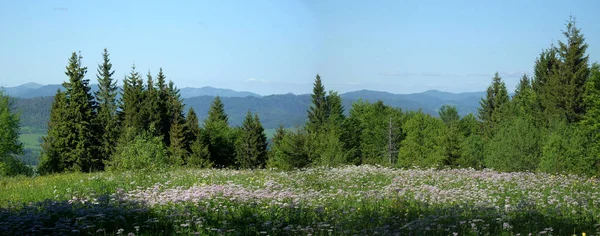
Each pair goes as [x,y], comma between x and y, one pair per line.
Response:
[363,200]
[31,140]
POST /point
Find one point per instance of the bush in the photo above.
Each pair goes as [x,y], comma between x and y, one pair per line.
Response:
[11,166]
[144,152]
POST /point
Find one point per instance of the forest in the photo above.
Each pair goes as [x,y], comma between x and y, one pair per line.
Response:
[551,124]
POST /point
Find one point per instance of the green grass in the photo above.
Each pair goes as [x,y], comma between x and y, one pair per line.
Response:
[31,140]
[362,200]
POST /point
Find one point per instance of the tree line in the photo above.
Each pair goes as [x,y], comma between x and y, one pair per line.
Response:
[551,124]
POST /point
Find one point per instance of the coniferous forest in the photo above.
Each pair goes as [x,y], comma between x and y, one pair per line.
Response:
[549,128]
[549,125]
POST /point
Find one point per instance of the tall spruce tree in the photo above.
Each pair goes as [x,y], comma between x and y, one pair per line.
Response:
[546,85]
[251,146]
[317,114]
[574,71]
[151,107]
[107,119]
[131,103]
[55,143]
[493,103]
[591,120]
[164,123]
[220,139]
[177,141]
[9,140]
[80,110]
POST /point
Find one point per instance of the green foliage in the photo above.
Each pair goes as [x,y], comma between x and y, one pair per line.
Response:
[449,115]
[369,129]
[469,125]
[290,152]
[421,147]
[472,152]
[178,143]
[106,120]
[565,151]
[251,144]
[574,71]
[219,137]
[325,147]
[131,103]
[591,120]
[143,152]
[199,155]
[9,141]
[55,142]
[317,114]
[515,147]
[492,105]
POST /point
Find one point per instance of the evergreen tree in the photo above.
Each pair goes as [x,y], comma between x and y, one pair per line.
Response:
[453,138]
[106,119]
[192,125]
[162,110]
[55,143]
[493,103]
[251,144]
[591,120]
[422,145]
[317,114]
[449,114]
[335,110]
[547,87]
[574,71]
[131,103]
[515,147]
[151,107]
[291,152]
[177,141]
[9,141]
[220,138]
[199,154]
[80,111]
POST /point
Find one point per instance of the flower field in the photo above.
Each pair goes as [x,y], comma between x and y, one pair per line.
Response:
[363,200]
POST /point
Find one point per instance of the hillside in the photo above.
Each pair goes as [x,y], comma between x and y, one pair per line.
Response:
[287,109]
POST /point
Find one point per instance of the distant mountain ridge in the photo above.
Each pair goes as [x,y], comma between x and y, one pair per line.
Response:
[287,109]
[32,90]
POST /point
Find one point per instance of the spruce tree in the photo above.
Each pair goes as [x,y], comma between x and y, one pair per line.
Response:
[449,114]
[335,110]
[591,119]
[251,146]
[220,138]
[492,105]
[164,123]
[80,111]
[547,86]
[106,119]
[317,114]
[131,103]
[177,141]
[192,125]
[55,143]
[574,71]
[151,107]
[9,140]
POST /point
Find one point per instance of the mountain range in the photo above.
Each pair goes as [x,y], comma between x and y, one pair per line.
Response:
[34,102]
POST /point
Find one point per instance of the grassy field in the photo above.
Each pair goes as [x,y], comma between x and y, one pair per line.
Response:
[363,200]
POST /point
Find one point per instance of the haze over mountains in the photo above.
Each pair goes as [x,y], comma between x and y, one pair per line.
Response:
[34,101]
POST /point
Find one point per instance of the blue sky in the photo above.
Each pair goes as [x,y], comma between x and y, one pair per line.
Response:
[278,46]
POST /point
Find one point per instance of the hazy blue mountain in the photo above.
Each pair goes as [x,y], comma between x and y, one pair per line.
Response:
[287,109]
[189,92]
[31,90]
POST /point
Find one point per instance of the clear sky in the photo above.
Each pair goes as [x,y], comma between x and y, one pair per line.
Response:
[278,46]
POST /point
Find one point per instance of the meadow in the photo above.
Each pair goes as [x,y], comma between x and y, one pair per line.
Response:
[352,200]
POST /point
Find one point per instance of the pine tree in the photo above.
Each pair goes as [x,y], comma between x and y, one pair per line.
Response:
[55,143]
[192,125]
[251,146]
[197,144]
[317,114]
[80,110]
[131,103]
[335,110]
[106,96]
[453,137]
[492,105]
[422,145]
[574,71]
